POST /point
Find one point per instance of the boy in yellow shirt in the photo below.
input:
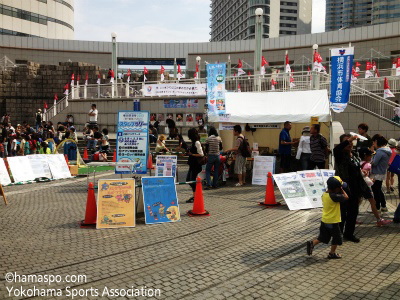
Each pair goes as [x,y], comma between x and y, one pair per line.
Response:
[331,217]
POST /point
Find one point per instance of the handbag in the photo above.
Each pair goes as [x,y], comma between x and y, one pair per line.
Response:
[395,165]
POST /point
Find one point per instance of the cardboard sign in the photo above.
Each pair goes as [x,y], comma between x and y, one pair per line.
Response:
[58,166]
[314,185]
[262,165]
[160,200]
[20,168]
[293,191]
[116,203]
[40,165]
[4,176]
[166,165]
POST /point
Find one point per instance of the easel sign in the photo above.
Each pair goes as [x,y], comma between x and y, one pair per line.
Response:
[115,203]
[4,176]
[3,194]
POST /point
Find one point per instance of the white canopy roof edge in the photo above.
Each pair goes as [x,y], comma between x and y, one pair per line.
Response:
[276,107]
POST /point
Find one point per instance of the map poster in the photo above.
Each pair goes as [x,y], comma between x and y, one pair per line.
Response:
[314,185]
[262,165]
[326,174]
[160,200]
[115,203]
[4,177]
[166,165]
[132,142]
[292,191]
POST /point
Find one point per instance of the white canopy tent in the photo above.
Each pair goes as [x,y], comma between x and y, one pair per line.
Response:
[276,107]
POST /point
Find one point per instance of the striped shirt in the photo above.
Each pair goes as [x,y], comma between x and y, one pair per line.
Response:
[318,145]
[213,144]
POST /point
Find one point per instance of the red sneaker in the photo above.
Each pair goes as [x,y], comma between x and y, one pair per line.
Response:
[383,222]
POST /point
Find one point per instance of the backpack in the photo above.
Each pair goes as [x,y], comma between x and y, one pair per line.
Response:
[244,148]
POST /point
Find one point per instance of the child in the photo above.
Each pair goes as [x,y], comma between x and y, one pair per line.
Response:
[366,157]
[331,217]
[161,144]
[392,143]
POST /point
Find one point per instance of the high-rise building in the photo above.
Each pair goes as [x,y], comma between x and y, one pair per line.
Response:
[354,13]
[235,20]
[38,18]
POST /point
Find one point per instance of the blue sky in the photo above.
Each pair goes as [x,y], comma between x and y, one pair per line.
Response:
[154,21]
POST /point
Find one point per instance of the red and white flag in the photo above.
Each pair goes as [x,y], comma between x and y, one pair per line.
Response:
[264,63]
[368,68]
[273,83]
[66,89]
[287,63]
[249,74]
[98,79]
[292,84]
[128,76]
[179,73]
[197,71]
[240,66]
[45,107]
[55,99]
[354,75]
[398,66]
[72,79]
[112,76]
[317,62]
[78,79]
[145,71]
[373,65]
[239,90]
[386,92]
[358,65]
[377,74]
[86,78]
[162,70]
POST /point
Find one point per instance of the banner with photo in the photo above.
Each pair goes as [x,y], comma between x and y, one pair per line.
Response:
[174,89]
[341,68]
[216,75]
[185,103]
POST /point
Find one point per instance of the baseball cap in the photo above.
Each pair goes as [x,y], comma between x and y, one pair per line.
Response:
[335,182]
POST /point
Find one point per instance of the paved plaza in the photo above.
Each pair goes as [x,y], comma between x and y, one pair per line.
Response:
[241,251]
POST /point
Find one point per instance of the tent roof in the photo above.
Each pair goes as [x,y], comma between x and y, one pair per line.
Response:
[276,107]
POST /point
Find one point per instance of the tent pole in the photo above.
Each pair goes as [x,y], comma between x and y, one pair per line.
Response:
[331,145]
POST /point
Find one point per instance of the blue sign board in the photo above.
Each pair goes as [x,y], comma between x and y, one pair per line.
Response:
[132,142]
[216,75]
[341,67]
[160,200]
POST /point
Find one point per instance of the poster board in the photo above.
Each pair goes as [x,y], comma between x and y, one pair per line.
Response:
[4,176]
[262,165]
[160,200]
[326,174]
[132,142]
[58,166]
[203,137]
[21,169]
[40,165]
[166,165]
[115,203]
[293,191]
[314,185]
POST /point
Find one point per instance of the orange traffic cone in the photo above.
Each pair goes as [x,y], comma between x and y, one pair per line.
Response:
[85,154]
[66,158]
[91,208]
[269,193]
[115,156]
[198,204]
[150,162]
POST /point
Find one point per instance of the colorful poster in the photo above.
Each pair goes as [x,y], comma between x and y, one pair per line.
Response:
[341,69]
[160,200]
[115,203]
[153,118]
[293,191]
[132,142]
[261,166]
[203,137]
[314,185]
[174,89]
[21,169]
[186,103]
[40,165]
[326,174]
[166,165]
[199,118]
[4,176]
[216,74]
[189,120]
[179,119]
[58,166]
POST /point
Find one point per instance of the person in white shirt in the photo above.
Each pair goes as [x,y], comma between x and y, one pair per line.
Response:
[304,151]
[93,113]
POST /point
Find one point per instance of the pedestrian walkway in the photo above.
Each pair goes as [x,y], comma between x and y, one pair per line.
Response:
[241,251]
